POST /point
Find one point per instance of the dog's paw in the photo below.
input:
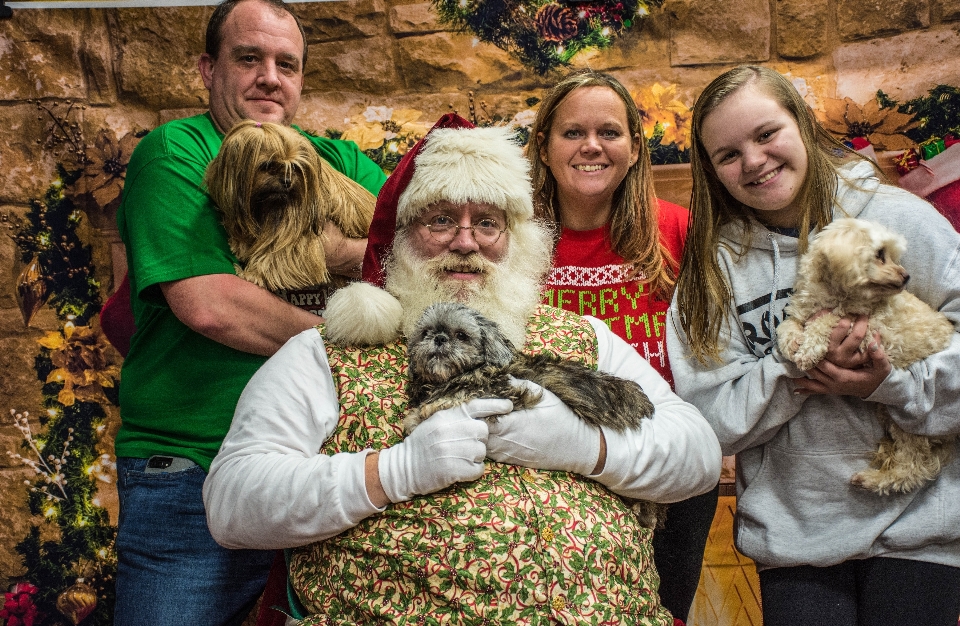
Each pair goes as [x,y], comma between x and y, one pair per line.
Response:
[806,360]
[789,347]
[810,352]
[884,483]
[412,420]
[789,338]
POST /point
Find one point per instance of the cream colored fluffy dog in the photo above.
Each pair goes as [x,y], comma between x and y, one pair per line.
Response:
[852,268]
[276,194]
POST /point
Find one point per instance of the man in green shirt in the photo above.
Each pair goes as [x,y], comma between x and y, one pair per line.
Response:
[201,330]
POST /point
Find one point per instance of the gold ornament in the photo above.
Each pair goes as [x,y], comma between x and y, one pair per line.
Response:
[31,290]
[77,601]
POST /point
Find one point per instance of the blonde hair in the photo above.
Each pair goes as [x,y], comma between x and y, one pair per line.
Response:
[703,292]
[634,224]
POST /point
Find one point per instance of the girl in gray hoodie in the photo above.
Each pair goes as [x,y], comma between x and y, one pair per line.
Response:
[766,178]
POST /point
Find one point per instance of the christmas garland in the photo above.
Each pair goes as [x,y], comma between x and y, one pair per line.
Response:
[544,34]
[69,556]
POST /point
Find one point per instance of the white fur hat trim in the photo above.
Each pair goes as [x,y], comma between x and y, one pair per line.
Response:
[461,165]
[362,315]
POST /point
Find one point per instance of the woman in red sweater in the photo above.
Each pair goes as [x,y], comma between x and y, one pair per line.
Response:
[616,259]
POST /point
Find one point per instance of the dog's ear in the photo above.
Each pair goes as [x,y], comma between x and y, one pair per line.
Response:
[895,245]
[812,264]
[497,348]
[229,175]
[346,202]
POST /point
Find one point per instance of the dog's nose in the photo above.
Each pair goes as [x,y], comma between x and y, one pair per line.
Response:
[287,182]
[906,279]
[439,340]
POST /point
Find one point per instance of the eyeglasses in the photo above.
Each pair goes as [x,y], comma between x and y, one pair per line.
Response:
[444,229]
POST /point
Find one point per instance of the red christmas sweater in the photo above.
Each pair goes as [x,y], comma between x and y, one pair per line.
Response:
[589,278]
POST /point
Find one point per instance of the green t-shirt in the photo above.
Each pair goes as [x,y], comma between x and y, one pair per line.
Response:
[179,389]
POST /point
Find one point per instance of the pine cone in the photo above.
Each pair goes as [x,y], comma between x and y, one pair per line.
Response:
[556,23]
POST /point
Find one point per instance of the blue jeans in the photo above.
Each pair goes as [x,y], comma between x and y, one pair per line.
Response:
[170,570]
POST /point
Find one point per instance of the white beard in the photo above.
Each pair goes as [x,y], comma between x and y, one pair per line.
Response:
[507,293]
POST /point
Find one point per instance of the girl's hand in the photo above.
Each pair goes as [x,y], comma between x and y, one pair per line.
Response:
[845,341]
[859,381]
[846,370]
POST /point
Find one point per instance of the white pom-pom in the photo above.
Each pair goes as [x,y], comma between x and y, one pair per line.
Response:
[362,315]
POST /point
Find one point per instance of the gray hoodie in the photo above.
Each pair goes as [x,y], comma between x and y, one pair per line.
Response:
[796,453]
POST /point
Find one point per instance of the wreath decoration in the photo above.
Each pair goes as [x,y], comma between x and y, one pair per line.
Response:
[544,34]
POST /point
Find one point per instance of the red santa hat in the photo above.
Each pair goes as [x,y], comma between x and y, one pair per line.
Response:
[457,162]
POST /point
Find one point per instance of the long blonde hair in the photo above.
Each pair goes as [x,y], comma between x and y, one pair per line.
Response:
[634,226]
[703,292]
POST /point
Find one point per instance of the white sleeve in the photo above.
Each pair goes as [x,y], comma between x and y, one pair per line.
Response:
[269,487]
[672,456]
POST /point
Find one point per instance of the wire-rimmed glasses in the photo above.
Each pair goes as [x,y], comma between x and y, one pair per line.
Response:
[444,229]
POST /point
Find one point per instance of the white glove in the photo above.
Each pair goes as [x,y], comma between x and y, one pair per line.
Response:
[549,437]
[448,447]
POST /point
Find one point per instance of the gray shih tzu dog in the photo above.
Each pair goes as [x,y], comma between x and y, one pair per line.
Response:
[457,355]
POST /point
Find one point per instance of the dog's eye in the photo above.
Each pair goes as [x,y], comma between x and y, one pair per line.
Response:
[882,255]
[462,336]
[271,168]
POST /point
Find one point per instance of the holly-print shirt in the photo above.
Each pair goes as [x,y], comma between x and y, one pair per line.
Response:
[589,278]
[517,546]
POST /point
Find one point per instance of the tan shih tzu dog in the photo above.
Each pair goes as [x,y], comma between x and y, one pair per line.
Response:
[276,194]
[852,268]
[456,355]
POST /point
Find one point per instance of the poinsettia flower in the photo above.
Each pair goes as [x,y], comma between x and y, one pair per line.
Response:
[404,123]
[106,167]
[661,111]
[24,587]
[367,135]
[81,363]
[884,128]
[377,126]
[524,118]
[377,114]
[403,117]
[18,607]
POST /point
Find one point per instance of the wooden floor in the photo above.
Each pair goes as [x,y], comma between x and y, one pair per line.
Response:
[729,592]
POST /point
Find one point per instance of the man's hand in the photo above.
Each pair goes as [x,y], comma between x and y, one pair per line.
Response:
[447,448]
[344,256]
[549,437]
[846,370]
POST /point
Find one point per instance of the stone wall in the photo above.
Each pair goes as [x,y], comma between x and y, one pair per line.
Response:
[132,69]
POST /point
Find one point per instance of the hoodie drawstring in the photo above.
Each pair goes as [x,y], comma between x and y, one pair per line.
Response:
[776,284]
